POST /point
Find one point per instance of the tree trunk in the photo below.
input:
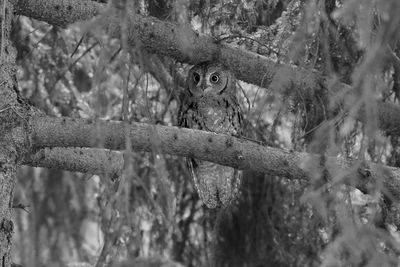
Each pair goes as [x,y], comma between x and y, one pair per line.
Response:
[13,117]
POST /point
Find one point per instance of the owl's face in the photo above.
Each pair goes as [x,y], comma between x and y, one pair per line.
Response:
[210,79]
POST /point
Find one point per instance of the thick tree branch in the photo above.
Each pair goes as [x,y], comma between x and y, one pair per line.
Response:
[183,44]
[222,149]
[12,142]
[58,12]
[94,161]
[177,41]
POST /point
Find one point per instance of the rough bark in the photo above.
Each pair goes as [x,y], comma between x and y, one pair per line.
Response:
[58,12]
[243,154]
[183,44]
[94,161]
[12,128]
[162,37]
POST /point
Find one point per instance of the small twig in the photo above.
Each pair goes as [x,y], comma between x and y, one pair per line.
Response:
[4,109]
[37,44]
[75,61]
[77,46]
[396,59]
[115,55]
[21,206]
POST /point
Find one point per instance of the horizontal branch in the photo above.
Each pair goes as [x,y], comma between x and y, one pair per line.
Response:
[238,153]
[185,45]
[85,160]
[221,149]
[58,12]
[162,37]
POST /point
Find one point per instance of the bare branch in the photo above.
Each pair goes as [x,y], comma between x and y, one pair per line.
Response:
[58,12]
[177,41]
[221,149]
[94,161]
[185,45]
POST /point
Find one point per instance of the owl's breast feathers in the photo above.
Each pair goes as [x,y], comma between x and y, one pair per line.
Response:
[218,115]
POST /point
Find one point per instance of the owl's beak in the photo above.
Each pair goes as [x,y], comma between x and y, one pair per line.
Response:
[207,90]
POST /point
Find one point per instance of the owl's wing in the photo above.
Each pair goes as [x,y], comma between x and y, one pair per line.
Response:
[187,112]
[235,117]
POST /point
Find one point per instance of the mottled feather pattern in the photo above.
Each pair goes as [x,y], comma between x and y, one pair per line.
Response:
[212,107]
[217,185]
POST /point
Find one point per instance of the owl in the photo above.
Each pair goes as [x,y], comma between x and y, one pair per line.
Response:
[209,103]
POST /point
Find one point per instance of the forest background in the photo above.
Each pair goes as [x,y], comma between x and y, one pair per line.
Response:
[90,92]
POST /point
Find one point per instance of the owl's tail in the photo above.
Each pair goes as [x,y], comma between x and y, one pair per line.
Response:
[217,185]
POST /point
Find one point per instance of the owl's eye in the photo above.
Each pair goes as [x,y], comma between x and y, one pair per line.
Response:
[196,78]
[214,78]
